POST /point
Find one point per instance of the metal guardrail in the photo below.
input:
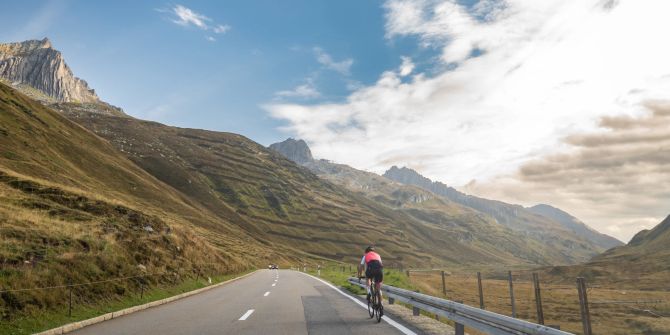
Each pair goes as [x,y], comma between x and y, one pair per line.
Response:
[464,315]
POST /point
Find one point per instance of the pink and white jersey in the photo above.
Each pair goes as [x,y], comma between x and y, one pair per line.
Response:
[372,256]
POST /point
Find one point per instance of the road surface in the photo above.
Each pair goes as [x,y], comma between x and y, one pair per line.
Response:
[267,302]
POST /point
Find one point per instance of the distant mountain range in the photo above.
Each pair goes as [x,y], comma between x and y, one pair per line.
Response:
[539,236]
[643,263]
[513,216]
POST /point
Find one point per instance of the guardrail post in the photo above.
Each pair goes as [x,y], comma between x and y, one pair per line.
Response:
[459,329]
[416,311]
[391,301]
[538,298]
[69,309]
[444,285]
[584,306]
[511,293]
[481,291]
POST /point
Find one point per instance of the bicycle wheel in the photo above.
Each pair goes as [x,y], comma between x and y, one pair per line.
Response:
[380,307]
[371,305]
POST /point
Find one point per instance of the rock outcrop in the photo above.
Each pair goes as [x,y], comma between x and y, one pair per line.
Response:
[38,65]
[297,151]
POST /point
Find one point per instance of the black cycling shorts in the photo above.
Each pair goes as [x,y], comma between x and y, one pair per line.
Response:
[375,271]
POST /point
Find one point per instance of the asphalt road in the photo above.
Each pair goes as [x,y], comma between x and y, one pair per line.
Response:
[267,302]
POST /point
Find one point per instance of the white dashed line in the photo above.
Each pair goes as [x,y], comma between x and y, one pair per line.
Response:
[246,315]
[266,294]
[275,284]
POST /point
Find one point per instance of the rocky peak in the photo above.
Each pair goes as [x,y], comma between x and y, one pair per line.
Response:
[36,64]
[295,150]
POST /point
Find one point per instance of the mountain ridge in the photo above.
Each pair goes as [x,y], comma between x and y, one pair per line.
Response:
[37,64]
[514,216]
[420,198]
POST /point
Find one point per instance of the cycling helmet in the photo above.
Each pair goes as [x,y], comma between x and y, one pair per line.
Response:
[369,248]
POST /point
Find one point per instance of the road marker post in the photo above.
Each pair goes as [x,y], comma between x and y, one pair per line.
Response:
[69,309]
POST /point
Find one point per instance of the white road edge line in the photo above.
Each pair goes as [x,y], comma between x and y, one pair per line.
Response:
[266,294]
[246,315]
[388,320]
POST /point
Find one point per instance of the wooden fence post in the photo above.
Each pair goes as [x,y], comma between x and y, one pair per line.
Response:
[538,299]
[481,291]
[511,293]
[584,306]
[444,285]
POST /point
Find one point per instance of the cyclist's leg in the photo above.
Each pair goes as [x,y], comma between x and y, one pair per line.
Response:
[379,278]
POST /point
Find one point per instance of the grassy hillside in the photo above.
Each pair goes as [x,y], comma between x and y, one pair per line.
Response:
[644,263]
[578,227]
[476,232]
[279,201]
[73,209]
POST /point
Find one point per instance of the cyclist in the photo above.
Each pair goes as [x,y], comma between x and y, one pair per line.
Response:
[372,263]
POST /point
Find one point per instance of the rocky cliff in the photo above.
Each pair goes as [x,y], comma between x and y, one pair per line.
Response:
[295,150]
[36,64]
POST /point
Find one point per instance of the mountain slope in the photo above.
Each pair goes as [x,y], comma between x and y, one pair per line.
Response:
[643,263]
[475,231]
[543,227]
[72,208]
[578,227]
[266,194]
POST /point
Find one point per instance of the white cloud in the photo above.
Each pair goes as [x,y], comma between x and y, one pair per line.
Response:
[210,38]
[343,66]
[221,28]
[184,16]
[406,67]
[547,70]
[304,91]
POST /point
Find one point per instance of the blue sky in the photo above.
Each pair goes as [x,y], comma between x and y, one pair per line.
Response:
[564,102]
[137,57]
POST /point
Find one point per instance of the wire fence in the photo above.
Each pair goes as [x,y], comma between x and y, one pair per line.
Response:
[66,297]
[609,309]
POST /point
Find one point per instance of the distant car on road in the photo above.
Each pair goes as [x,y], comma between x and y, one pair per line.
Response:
[273,267]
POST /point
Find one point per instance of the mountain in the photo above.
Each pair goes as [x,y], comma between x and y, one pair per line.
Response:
[38,65]
[297,151]
[552,226]
[74,208]
[268,196]
[578,227]
[643,263]
[475,231]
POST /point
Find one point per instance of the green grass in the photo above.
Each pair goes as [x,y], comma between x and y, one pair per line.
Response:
[334,274]
[43,320]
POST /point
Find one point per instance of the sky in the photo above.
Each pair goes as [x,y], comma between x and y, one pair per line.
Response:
[565,102]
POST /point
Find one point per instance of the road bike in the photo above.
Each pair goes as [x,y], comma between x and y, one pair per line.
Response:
[375,305]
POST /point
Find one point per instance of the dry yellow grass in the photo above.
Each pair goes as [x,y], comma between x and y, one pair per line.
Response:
[560,302]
